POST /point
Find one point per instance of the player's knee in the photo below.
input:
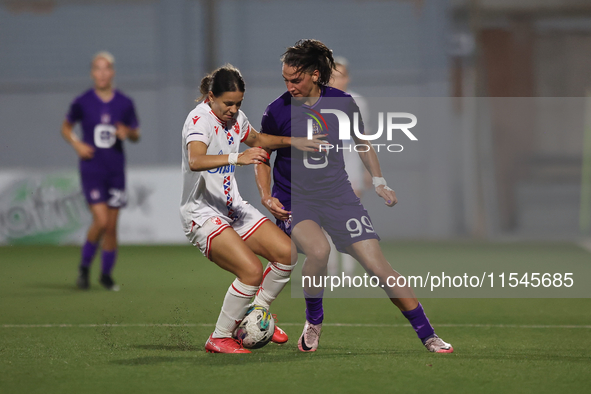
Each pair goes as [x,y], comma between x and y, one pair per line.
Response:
[318,253]
[100,224]
[253,275]
[283,254]
[111,230]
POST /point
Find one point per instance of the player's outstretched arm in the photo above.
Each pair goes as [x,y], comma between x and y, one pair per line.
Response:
[199,160]
[262,173]
[371,162]
[83,150]
[275,142]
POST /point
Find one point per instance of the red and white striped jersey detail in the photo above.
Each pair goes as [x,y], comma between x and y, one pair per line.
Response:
[246,134]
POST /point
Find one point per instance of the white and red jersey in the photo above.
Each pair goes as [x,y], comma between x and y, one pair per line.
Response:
[212,192]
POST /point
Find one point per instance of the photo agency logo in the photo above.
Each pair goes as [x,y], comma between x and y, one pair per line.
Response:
[395,122]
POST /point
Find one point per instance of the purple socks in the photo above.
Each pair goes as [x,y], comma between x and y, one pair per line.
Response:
[88,252]
[418,320]
[108,257]
[109,261]
[314,311]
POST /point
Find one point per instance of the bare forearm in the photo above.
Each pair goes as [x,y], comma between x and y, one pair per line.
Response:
[262,173]
[207,162]
[268,141]
[370,161]
[68,133]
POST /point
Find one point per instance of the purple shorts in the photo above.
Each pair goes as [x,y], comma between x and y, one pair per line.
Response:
[342,217]
[104,188]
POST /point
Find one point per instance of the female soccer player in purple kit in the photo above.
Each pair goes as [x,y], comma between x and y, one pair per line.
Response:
[311,191]
[107,118]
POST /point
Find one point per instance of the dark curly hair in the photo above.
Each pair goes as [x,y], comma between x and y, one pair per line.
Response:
[310,55]
[225,79]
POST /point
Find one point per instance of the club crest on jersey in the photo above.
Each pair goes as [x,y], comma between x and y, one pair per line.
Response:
[315,122]
[105,118]
[236,128]
[217,221]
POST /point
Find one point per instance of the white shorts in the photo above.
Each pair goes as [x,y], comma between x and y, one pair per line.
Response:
[245,225]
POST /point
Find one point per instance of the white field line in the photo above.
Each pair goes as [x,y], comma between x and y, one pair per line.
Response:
[292,324]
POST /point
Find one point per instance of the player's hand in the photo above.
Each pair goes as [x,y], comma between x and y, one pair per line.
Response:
[387,194]
[122,131]
[253,156]
[84,151]
[306,145]
[275,207]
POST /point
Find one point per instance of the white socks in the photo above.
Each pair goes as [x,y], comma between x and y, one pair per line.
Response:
[275,278]
[233,309]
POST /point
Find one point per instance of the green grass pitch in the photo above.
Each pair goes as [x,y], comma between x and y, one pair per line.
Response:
[148,338]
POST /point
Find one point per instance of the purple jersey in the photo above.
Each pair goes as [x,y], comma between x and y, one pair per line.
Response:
[103,176]
[298,174]
[98,120]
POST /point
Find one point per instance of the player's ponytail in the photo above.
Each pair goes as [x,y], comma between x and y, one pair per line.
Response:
[225,79]
[310,55]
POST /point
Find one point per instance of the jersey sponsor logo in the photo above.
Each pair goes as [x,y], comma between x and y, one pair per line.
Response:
[104,136]
[95,194]
[229,169]
[217,128]
[195,119]
[105,118]
[217,221]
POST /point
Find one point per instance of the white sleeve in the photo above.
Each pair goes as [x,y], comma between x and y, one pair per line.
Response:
[197,130]
[244,128]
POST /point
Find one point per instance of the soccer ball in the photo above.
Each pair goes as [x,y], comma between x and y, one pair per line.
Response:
[256,329]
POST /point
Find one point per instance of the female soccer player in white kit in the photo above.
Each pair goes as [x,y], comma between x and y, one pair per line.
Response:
[225,228]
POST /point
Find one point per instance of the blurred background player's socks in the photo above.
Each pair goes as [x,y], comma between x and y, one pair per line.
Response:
[419,321]
[108,260]
[234,307]
[314,310]
[274,279]
[88,252]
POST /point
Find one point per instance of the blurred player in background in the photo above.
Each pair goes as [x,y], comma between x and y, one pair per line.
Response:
[108,118]
[311,192]
[226,229]
[358,175]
